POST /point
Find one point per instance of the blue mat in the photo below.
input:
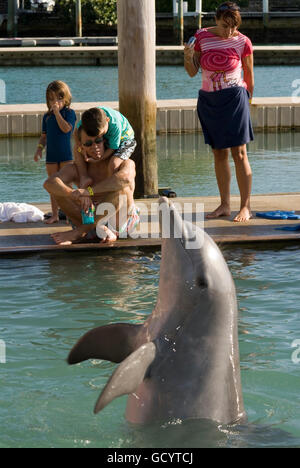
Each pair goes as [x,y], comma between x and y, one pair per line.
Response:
[278,215]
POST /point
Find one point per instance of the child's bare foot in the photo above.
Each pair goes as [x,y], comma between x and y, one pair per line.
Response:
[222,210]
[85,181]
[67,237]
[52,220]
[244,215]
[106,234]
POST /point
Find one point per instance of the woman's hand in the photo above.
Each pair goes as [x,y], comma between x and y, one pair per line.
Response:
[188,52]
[191,60]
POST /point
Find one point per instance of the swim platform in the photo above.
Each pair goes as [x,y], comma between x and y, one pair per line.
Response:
[30,238]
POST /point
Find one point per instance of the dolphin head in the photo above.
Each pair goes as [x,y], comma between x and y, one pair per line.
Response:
[194,277]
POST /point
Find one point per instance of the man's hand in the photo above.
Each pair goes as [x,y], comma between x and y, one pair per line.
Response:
[82,197]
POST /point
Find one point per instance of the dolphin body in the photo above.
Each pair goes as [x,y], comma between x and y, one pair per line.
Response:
[183,362]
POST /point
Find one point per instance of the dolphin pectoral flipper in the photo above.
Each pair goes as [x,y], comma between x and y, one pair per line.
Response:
[111,343]
[128,375]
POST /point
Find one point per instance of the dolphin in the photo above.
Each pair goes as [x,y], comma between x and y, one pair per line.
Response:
[183,361]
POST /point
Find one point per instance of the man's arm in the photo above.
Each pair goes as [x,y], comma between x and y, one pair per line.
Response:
[123,176]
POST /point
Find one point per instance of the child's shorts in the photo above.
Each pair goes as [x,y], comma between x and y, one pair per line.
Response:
[125,149]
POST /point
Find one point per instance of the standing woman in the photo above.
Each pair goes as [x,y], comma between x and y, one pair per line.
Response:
[223,53]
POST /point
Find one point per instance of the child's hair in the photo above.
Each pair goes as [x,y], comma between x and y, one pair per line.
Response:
[230,13]
[62,90]
[93,121]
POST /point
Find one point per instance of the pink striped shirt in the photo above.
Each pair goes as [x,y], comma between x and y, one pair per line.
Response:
[221,59]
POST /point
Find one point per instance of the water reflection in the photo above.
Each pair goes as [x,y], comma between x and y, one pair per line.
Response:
[207,434]
[185,164]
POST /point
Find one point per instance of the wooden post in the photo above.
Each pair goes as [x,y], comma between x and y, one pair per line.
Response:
[78,19]
[199,12]
[12,18]
[178,21]
[266,13]
[137,86]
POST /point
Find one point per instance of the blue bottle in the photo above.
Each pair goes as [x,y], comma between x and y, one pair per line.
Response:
[88,218]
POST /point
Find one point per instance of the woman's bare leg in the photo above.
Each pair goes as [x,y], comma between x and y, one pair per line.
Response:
[223,175]
[244,180]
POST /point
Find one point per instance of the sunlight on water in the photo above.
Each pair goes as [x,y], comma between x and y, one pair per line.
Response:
[185,163]
[48,301]
[28,84]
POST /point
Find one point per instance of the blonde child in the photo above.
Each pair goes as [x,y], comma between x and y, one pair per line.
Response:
[57,129]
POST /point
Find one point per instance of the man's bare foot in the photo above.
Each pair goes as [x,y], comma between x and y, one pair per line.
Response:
[106,234]
[244,215]
[52,220]
[68,237]
[85,182]
[222,210]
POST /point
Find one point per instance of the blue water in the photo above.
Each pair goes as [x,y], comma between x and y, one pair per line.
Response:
[184,162]
[89,84]
[48,301]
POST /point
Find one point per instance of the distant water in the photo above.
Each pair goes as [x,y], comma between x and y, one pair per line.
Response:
[89,84]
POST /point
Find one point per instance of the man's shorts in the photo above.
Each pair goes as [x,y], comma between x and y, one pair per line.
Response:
[125,149]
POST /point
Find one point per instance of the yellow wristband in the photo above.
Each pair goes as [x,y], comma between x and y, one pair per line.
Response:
[91,191]
[250,101]
[40,146]
[79,149]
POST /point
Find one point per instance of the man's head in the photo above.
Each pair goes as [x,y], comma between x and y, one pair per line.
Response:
[93,146]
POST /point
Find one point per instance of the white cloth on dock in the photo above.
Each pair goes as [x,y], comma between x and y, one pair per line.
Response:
[20,213]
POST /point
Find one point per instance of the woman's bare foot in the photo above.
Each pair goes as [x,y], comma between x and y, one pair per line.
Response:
[106,234]
[67,237]
[244,215]
[52,220]
[222,210]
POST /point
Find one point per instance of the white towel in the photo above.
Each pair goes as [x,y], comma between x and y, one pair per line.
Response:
[20,213]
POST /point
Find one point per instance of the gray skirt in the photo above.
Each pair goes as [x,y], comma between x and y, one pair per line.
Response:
[225,117]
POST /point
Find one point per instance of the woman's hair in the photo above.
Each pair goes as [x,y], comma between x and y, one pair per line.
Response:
[62,90]
[230,13]
[93,121]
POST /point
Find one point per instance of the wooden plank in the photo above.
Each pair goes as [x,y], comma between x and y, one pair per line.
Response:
[25,238]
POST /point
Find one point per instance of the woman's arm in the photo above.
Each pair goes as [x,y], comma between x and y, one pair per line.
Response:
[191,60]
[247,63]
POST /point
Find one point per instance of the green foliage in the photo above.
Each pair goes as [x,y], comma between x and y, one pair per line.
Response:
[166,6]
[212,5]
[93,11]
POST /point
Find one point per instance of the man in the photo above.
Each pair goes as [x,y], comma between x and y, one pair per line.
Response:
[112,181]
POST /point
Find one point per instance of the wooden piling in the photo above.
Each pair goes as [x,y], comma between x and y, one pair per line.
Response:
[78,19]
[137,85]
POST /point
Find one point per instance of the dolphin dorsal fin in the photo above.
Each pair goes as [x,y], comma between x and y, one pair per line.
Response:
[111,343]
[128,375]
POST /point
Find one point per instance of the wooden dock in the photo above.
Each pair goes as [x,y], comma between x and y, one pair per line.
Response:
[36,237]
[173,115]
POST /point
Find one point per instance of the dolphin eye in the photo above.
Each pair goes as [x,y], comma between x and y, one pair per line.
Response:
[201,282]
